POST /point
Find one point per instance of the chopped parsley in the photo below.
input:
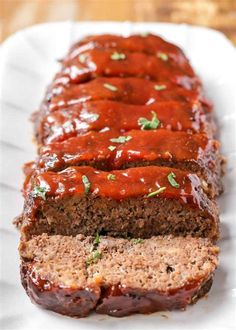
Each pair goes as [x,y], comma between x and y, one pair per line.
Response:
[171,178]
[118,56]
[159,87]
[111,177]
[86,183]
[121,139]
[157,192]
[94,257]
[39,192]
[164,57]
[110,87]
[149,124]
[82,58]
[111,148]
[137,240]
[97,240]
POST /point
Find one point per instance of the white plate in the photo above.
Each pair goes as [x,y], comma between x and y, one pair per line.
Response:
[28,62]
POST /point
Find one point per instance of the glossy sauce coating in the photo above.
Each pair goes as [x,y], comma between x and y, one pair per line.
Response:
[148,44]
[129,183]
[99,115]
[126,90]
[100,62]
[137,146]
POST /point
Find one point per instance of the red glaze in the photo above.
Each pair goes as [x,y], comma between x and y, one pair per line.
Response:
[143,146]
[122,301]
[128,90]
[99,115]
[150,44]
[99,62]
[129,183]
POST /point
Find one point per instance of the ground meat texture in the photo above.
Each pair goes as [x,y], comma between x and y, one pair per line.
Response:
[119,277]
[109,150]
[119,203]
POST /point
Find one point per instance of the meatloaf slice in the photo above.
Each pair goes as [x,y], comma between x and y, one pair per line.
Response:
[119,277]
[126,90]
[148,44]
[109,151]
[97,62]
[138,202]
[104,114]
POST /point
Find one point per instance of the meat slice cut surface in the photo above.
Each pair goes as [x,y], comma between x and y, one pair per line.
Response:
[119,277]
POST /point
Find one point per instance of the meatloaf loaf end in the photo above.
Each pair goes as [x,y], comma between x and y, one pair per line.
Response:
[138,202]
[119,277]
[110,151]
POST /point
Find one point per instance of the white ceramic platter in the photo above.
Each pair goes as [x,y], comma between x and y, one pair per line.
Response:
[28,63]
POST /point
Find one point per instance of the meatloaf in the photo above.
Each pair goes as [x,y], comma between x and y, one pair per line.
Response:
[109,150]
[126,90]
[75,275]
[104,114]
[138,202]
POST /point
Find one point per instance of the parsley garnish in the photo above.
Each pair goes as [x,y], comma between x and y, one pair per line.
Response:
[137,240]
[111,148]
[162,56]
[159,87]
[118,56]
[121,139]
[39,192]
[86,183]
[82,58]
[111,87]
[111,177]
[172,181]
[149,124]
[97,240]
[94,257]
[157,192]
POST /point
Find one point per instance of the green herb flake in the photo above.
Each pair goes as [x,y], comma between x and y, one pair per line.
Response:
[111,148]
[111,177]
[86,183]
[97,239]
[137,240]
[82,58]
[118,56]
[157,192]
[171,178]
[121,139]
[94,257]
[164,57]
[110,87]
[159,87]
[39,192]
[149,124]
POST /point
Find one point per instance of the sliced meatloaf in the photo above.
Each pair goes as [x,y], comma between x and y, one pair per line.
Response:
[138,202]
[75,275]
[104,114]
[97,62]
[127,90]
[109,151]
[148,44]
